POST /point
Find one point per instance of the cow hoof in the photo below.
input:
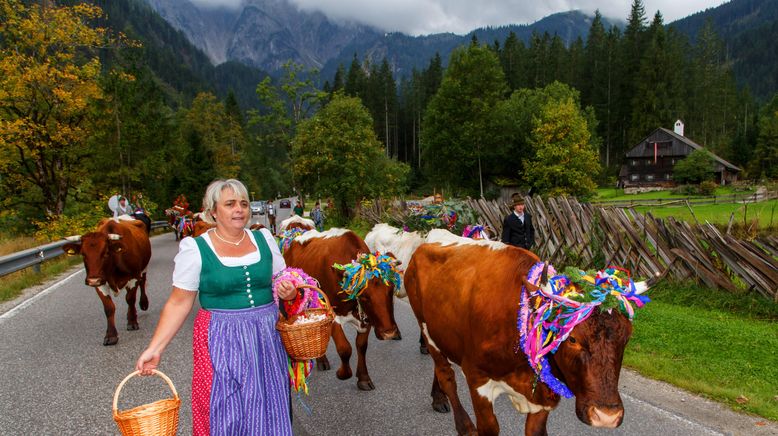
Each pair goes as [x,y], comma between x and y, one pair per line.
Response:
[110,341]
[398,337]
[441,406]
[144,305]
[365,385]
[323,364]
[131,327]
[343,374]
[423,349]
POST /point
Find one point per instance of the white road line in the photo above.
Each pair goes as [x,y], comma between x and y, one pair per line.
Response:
[673,415]
[12,312]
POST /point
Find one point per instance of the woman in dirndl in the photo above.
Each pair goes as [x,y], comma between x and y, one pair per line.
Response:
[239,383]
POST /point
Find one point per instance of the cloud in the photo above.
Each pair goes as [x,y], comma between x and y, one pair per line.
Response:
[213,4]
[419,17]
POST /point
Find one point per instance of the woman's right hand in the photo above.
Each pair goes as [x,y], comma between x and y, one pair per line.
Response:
[148,361]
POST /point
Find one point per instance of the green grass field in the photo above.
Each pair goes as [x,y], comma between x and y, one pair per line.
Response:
[613,194]
[710,342]
[766,213]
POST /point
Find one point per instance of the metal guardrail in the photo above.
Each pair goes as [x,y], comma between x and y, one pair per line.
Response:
[35,256]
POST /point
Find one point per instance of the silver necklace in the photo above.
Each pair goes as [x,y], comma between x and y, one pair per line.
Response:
[230,242]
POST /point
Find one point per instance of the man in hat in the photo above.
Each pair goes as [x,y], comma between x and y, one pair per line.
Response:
[517,227]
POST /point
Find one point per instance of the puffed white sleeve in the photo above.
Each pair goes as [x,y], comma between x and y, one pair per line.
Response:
[278,259]
[186,274]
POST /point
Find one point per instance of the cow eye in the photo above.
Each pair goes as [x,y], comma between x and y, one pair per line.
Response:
[572,340]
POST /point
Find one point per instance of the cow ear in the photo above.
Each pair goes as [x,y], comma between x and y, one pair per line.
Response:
[72,249]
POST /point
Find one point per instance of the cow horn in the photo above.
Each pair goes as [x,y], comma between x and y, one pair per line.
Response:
[114,236]
[645,285]
[398,262]
[74,238]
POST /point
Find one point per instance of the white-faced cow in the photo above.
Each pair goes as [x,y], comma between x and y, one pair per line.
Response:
[465,295]
[296,222]
[369,306]
[115,257]
[401,244]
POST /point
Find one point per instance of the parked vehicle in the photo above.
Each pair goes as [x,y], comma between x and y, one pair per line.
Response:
[257,207]
[285,204]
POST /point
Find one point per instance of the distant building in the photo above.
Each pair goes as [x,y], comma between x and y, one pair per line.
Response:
[651,161]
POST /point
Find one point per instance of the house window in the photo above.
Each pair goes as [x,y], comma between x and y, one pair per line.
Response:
[649,177]
[634,177]
[668,176]
[633,163]
[673,161]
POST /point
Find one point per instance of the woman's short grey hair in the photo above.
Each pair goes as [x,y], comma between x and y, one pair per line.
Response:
[213,194]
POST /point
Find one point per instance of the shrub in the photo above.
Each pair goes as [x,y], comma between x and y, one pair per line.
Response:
[695,168]
[708,187]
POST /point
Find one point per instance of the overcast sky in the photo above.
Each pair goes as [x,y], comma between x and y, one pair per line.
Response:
[421,17]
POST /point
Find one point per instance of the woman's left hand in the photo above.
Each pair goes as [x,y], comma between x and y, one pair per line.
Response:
[286,290]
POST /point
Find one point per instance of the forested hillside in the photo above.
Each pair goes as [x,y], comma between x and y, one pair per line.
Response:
[749,30]
[180,67]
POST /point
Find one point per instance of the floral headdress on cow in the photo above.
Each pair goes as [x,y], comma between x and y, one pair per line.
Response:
[288,236]
[547,321]
[365,267]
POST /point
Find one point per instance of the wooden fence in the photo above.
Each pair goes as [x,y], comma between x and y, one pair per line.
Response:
[588,236]
[696,201]
[571,233]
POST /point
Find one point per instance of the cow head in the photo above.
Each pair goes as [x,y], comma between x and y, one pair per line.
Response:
[371,279]
[589,338]
[97,249]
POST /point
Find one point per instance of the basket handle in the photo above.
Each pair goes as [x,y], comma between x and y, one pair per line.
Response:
[133,374]
[327,306]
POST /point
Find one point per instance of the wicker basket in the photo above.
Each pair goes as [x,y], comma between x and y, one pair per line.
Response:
[159,418]
[308,340]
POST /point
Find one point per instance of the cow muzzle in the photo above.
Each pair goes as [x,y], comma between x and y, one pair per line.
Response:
[607,417]
[94,281]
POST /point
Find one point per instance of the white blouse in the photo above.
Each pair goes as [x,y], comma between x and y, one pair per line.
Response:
[186,274]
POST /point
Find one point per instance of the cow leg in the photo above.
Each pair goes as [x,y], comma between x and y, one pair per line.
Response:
[536,424]
[444,375]
[144,299]
[111,336]
[439,399]
[364,383]
[423,344]
[483,407]
[344,351]
[132,314]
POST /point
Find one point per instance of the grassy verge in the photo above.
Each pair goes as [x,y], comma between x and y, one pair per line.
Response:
[765,212]
[710,342]
[613,194]
[12,285]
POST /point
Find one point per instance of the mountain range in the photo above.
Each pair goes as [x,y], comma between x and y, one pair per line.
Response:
[267,33]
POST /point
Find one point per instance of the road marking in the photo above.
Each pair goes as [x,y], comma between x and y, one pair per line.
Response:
[672,415]
[27,302]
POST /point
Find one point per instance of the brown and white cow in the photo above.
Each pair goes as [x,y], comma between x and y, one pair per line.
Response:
[316,253]
[115,257]
[465,295]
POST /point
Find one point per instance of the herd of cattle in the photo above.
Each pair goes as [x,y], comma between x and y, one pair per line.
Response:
[463,292]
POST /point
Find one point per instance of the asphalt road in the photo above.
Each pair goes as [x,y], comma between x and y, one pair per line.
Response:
[56,377]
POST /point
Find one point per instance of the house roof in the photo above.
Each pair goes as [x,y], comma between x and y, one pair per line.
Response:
[688,142]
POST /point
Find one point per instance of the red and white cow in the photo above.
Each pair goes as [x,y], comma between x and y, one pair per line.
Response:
[316,253]
[115,257]
[465,295]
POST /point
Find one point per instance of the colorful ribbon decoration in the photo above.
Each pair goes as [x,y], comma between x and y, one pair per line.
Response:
[474,232]
[288,236]
[555,314]
[298,370]
[365,267]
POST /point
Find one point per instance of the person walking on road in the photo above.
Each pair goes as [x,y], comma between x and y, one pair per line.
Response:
[239,382]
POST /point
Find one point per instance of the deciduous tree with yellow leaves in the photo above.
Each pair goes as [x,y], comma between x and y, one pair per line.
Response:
[48,79]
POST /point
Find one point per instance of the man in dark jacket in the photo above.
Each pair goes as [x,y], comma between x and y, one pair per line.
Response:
[517,227]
